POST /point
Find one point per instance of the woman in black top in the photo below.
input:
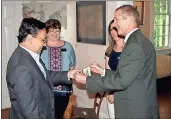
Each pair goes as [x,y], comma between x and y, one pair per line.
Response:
[112,55]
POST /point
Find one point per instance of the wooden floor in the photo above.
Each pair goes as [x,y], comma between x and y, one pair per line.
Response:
[164,99]
[4,113]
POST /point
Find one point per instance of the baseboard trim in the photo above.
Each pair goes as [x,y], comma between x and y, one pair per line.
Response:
[5,109]
[5,113]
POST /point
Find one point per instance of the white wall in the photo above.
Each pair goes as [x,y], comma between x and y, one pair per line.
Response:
[11,17]
[170,25]
[71,21]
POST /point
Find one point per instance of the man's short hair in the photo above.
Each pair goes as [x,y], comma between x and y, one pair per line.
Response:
[29,26]
[130,11]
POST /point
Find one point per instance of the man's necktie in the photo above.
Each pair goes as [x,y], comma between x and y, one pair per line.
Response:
[43,69]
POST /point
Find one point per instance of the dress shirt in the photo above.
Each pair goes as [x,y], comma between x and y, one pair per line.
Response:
[36,57]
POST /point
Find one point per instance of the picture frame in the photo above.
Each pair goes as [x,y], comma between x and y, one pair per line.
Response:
[91,22]
[44,11]
[139,5]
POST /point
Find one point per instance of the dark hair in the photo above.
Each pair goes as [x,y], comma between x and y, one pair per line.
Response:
[111,41]
[130,11]
[52,24]
[29,26]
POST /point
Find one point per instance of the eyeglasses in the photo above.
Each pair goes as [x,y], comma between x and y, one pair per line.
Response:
[43,40]
[55,31]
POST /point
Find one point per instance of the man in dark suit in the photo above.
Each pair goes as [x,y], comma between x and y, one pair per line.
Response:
[30,85]
[134,81]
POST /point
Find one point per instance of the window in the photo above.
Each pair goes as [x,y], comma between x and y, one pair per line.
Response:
[161,23]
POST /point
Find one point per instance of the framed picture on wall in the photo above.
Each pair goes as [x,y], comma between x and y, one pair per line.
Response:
[91,22]
[44,11]
[139,5]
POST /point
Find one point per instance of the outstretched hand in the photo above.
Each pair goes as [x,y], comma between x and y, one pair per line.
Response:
[96,68]
[80,78]
[71,73]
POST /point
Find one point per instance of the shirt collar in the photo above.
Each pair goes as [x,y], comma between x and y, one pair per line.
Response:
[33,54]
[127,36]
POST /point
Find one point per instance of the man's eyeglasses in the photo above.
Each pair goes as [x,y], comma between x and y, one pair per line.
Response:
[43,40]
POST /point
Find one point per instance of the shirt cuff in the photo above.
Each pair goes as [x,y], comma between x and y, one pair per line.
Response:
[104,71]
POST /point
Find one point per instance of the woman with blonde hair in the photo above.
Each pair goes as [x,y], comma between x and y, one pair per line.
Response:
[112,55]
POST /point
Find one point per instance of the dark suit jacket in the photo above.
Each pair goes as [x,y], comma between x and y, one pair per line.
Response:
[31,95]
[134,81]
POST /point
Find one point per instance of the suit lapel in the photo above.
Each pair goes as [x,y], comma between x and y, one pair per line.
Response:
[131,37]
[34,65]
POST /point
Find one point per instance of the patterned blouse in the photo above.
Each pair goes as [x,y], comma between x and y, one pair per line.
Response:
[60,59]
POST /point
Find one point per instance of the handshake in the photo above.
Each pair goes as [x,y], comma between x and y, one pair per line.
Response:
[80,75]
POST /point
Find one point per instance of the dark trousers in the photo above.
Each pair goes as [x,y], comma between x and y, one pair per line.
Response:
[61,103]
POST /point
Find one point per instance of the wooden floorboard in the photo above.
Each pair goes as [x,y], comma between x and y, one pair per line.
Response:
[5,113]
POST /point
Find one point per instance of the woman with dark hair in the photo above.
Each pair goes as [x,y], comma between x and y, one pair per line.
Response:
[112,55]
[58,55]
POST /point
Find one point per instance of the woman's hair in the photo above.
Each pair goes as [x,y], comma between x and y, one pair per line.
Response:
[29,26]
[52,24]
[111,41]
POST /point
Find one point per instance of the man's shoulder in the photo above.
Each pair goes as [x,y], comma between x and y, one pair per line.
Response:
[140,44]
[18,57]
[15,55]
[14,61]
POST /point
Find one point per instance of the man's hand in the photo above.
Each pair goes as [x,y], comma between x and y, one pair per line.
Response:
[110,98]
[71,73]
[94,67]
[80,78]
